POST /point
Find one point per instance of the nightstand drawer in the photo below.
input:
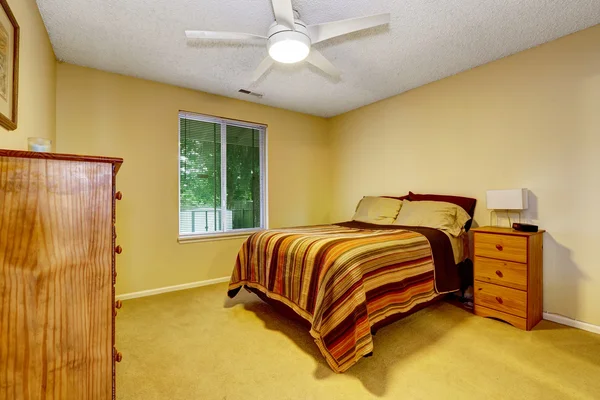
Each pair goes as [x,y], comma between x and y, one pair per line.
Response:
[500,272]
[501,298]
[518,322]
[502,247]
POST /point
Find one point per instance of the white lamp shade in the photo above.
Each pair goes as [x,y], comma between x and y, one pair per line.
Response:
[511,199]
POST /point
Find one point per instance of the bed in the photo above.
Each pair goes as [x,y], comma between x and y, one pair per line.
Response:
[348,279]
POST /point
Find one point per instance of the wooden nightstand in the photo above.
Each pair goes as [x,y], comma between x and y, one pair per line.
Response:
[508,275]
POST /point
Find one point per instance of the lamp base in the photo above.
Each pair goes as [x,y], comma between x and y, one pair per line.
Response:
[492,212]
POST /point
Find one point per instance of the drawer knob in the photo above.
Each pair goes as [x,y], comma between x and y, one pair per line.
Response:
[499,273]
[499,247]
[118,357]
[118,249]
[118,195]
[499,300]
[118,304]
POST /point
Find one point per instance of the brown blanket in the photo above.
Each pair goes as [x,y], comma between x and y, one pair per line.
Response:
[446,273]
[345,279]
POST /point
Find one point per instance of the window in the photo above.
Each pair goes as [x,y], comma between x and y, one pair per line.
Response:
[221,175]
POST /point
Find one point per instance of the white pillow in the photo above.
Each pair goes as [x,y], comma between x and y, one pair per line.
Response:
[377,210]
[433,214]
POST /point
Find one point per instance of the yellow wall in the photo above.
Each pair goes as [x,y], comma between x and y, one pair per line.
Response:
[37,82]
[531,120]
[99,113]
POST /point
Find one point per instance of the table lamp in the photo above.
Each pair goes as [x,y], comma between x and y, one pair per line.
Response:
[514,200]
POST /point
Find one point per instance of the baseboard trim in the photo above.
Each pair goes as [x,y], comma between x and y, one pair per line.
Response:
[572,322]
[153,292]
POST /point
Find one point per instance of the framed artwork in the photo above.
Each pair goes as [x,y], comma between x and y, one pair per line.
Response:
[9,67]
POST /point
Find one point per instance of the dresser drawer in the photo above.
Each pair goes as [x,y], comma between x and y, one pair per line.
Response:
[501,298]
[500,272]
[502,247]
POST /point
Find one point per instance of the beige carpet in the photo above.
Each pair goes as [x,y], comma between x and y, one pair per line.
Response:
[197,344]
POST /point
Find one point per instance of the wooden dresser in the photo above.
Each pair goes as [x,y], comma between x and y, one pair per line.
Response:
[57,275]
[508,275]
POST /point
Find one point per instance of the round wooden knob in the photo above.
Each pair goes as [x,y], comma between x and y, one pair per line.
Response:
[118,304]
[499,247]
[499,273]
[118,195]
[499,300]
[118,357]
[118,249]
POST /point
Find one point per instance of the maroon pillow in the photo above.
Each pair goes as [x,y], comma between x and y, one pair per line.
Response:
[397,198]
[467,203]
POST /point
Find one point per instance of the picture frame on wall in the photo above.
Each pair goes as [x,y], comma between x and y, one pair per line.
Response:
[9,67]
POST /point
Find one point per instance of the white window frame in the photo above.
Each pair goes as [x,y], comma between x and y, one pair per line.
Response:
[236,233]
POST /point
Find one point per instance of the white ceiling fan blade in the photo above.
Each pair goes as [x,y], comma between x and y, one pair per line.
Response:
[262,68]
[318,60]
[211,35]
[328,30]
[284,13]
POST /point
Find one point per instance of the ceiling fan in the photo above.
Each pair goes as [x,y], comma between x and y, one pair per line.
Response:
[289,40]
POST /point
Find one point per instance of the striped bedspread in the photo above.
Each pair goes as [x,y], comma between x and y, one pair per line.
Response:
[342,279]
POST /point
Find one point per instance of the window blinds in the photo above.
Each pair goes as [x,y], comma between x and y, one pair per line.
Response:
[222,175]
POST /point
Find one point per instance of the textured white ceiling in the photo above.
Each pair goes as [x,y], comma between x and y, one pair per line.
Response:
[427,40]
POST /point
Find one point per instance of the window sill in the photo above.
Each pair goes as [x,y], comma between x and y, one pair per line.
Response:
[211,237]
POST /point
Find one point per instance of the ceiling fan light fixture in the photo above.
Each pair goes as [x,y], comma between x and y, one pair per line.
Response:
[289,47]
[289,39]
